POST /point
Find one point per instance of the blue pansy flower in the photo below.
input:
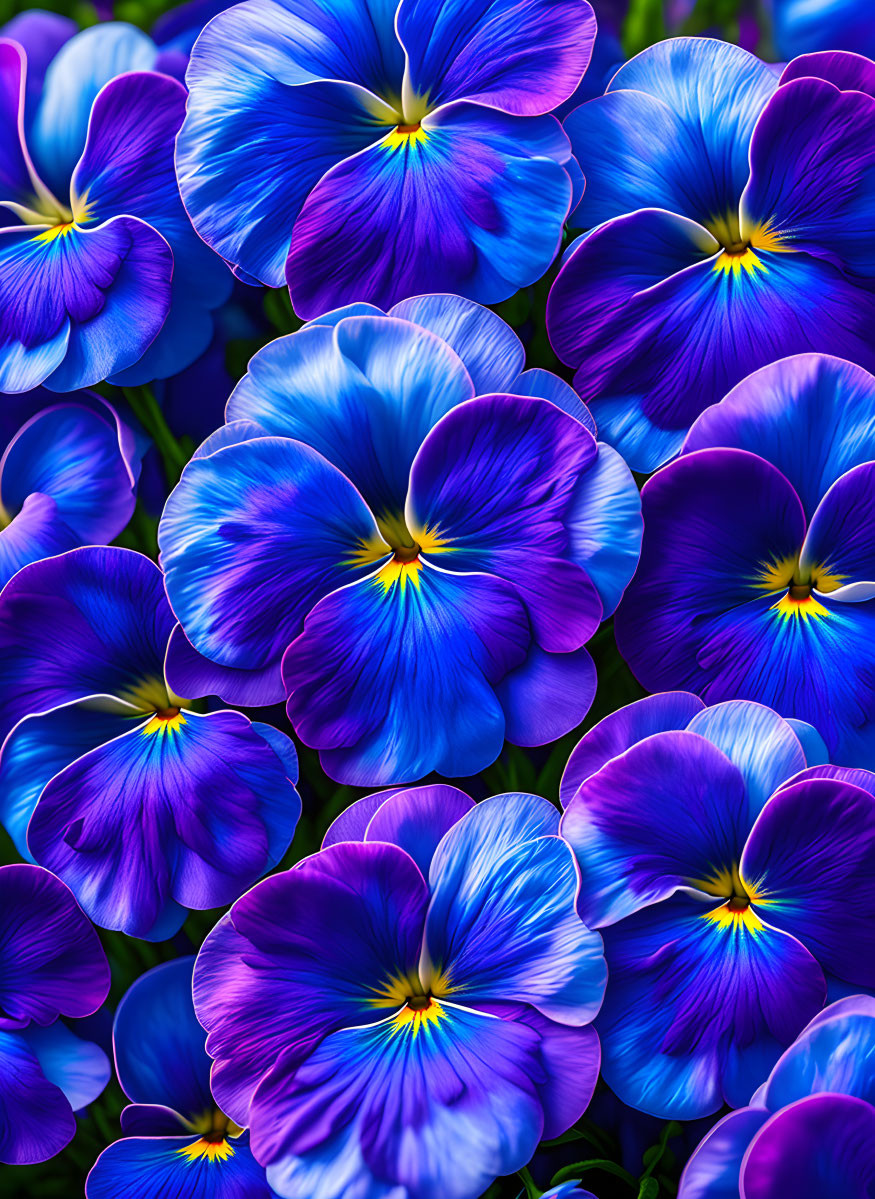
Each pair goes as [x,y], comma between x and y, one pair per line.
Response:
[732,220]
[95,246]
[407,1012]
[52,965]
[404,534]
[176,1141]
[731,880]
[68,475]
[373,150]
[144,807]
[809,1131]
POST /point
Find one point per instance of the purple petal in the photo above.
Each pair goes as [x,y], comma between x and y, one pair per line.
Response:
[492,484]
[621,729]
[36,1120]
[185,812]
[810,861]
[839,549]
[190,673]
[53,962]
[547,696]
[352,823]
[35,532]
[304,953]
[416,819]
[848,72]
[714,1170]
[522,58]
[16,178]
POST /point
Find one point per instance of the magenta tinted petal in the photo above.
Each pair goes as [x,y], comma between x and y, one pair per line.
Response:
[547,696]
[416,819]
[847,71]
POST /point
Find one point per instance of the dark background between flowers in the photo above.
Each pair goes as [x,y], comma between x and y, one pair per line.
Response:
[619,1154]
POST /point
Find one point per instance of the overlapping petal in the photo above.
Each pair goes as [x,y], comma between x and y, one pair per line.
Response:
[35,532]
[415,820]
[79,1068]
[394,676]
[473,202]
[176,813]
[144,1167]
[714,1170]
[36,1121]
[547,696]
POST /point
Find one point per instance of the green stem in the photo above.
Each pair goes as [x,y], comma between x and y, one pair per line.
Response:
[148,412]
[533,1191]
[575,1171]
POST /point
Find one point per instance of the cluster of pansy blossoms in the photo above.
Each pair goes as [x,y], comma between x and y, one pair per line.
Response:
[437,568]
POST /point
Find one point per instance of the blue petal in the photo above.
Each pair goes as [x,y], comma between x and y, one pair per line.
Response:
[35,532]
[80,1068]
[73,79]
[542,384]
[364,394]
[184,1167]
[159,1046]
[190,673]
[547,695]
[714,1170]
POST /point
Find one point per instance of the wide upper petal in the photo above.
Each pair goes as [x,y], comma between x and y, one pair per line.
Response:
[523,58]
[491,486]
[822,1145]
[672,811]
[701,1002]
[302,954]
[251,537]
[91,622]
[395,676]
[829,397]
[145,1167]
[393,1109]
[53,962]
[364,393]
[72,82]
[502,924]
[160,1056]
[812,174]
[472,202]
[810,862]
[176,813]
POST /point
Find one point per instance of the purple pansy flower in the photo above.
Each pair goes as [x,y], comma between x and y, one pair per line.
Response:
[144,807]
[733,223]
[372,150]
[426,565]
[407,1011]
[67,476]
[95,246]
[176,1140]
[730,879]
[757,575]
[809,1132]
[51,965]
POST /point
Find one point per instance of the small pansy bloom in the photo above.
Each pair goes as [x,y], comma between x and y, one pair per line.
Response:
[68,474]
[95,246]
[757,574]
[141,805]
[52,965]
[176,1141]
[809,1132]
[733,224]
[426,565]
[731,882]
[370,150]
[408,1011]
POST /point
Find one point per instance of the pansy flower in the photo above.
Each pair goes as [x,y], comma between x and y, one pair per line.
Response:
[175,1140]
[51,965]
[810,1129]
[141,805]
[408,1011]
[426,565]
[730,880]
[733,223]
[757,575]
[68,474]
[373,150]
[95,246]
